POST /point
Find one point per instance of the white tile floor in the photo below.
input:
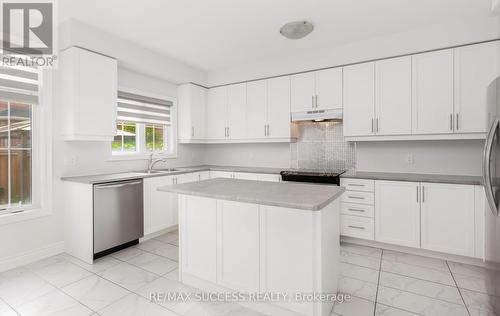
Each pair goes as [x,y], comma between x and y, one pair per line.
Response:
[381,282]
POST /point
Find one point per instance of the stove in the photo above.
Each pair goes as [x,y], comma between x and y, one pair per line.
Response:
[312,176]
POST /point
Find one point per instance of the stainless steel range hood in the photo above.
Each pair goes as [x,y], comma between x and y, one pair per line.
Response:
[318,115]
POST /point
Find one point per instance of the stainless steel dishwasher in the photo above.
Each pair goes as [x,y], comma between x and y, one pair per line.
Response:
[118,215]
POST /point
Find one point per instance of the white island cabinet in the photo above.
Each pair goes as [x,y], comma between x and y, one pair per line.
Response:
[261,237]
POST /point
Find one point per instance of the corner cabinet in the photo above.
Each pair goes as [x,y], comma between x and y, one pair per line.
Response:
[88,85]
[192,104]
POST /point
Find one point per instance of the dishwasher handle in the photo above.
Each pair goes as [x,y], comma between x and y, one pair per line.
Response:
[113,185]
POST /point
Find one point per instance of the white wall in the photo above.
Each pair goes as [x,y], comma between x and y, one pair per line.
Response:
[253,155]
[461,157]
[431,37]
[129,55]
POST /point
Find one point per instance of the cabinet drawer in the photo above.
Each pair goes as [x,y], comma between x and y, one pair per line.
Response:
[356,226]
[358,184]
[358,197]
[357,209]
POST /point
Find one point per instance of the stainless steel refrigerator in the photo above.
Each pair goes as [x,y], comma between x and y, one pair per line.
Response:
[491,179]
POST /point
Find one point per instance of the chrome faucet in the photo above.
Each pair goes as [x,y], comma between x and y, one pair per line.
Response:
[152,162]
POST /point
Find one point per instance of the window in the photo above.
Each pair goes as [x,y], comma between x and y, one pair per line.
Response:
[144,125]
[18,96]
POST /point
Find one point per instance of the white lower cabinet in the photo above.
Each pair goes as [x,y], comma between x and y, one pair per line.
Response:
[357,226]
[160,208]
[448,218]
[397,213]
[199,237]
[238,245]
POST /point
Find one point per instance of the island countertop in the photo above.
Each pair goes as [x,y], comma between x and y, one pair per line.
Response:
[303,196]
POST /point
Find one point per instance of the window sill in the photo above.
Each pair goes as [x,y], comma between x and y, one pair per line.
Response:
[140,156]
[11,218]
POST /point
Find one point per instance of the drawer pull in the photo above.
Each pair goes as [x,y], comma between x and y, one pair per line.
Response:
[356,210]
[356,185]
[356,227]
[356,197]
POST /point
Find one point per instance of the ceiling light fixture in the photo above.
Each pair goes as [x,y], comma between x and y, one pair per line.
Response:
[297,29]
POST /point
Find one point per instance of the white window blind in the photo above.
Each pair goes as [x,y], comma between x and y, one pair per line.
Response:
[141,109]
[19,84]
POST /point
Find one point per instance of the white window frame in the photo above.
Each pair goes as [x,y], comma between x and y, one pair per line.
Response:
[41,157]
[170,133]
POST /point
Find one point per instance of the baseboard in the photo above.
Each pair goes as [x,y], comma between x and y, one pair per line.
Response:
[31,256]
[159,233]
[414,251]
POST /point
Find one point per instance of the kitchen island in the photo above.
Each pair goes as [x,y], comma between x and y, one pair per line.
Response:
[249,237]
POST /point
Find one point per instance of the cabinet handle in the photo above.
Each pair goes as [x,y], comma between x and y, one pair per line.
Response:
[356,227]
[265,130]
[356,210]
[451,122]
[312,101]
[457,125]
[192,131]
[355,185]
[372,126]
[423,194]
[356,197]
[316,103]
[376,125]
[418,195]
[228,131]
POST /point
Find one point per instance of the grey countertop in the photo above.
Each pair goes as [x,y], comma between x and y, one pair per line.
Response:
[415,177]
[392,176]
[102,178]
[285,194]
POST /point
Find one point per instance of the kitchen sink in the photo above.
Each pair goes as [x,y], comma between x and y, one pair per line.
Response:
[155,171]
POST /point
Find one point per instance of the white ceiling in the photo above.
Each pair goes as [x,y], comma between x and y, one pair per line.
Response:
[219,34]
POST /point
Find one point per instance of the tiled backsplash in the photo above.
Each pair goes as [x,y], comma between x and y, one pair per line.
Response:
[321,146]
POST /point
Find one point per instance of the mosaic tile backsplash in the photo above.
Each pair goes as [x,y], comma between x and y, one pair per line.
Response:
[321,146]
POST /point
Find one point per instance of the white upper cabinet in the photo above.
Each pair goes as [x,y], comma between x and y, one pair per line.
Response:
[257,116]
[448,218]
[217,113]
[359,100]
[397,213]
[432,92]
[89,94]
[393,96]
[278,117]
[317,90]
[328,89]
[303,91]
[237,104]
[476,68]
[192,109]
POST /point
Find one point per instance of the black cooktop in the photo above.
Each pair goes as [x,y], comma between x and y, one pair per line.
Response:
[330,177]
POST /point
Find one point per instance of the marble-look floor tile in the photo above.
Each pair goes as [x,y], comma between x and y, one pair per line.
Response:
[128,276]
[358,288]
[480,303]
[59,273]
[175,242]
[220,309]
[54,303]
[127,253]
[421,287]
[173,275]
[162,286]
[99,265]
[415,260]
[159,248]
[134,305]
[360,260]
[153,263]
[361,250]
[6,310]
[19,286]
[418,272]
[489,286]
[360,273]
[418,304]
[168,237]
[469,270]
[385,310]
[354,307]
[95,292]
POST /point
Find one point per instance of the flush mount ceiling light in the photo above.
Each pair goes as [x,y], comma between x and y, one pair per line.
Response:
[297,29]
